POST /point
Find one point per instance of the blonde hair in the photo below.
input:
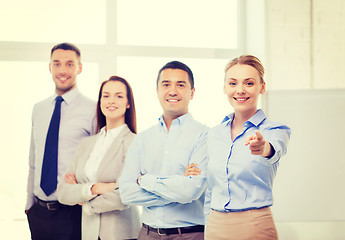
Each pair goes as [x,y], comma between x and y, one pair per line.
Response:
[248,60]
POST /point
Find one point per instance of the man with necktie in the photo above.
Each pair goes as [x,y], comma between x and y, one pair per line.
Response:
[58,124]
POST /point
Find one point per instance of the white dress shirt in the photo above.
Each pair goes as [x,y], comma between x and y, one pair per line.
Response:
[104,140]
[77,122]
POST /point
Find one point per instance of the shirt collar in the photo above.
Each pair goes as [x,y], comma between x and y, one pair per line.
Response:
[179,121]
[256,119]
[69,96]
[113,133]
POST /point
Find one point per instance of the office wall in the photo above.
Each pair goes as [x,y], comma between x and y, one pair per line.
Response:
[305,44]
[309,185]
[304,51]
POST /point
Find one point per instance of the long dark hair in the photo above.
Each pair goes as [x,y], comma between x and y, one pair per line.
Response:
[130,115]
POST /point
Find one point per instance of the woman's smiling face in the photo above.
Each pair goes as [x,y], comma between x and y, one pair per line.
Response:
[243,86]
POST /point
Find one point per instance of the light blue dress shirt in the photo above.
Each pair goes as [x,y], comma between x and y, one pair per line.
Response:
[168,198]
[78,120]
[238,180]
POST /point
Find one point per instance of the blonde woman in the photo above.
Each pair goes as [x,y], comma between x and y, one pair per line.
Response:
[244,153]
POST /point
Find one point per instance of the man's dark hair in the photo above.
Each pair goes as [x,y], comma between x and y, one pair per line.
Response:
[66,46]
[181,66]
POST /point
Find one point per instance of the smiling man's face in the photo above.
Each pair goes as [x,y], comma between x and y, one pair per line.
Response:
[174,92]
[64,66]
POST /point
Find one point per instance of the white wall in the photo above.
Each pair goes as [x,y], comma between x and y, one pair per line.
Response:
[305,43]
[308,190]
[288,44]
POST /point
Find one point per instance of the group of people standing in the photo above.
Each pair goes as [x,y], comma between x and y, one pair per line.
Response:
[89,170]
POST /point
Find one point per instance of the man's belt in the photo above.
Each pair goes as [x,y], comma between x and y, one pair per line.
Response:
[169,231]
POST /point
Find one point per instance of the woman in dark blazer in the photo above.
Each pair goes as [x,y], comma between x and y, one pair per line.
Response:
[91,178]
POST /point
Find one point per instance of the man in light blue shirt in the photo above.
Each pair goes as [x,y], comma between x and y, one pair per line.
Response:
[159,159]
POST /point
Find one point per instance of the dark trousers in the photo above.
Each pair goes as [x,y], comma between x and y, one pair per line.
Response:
[61,224]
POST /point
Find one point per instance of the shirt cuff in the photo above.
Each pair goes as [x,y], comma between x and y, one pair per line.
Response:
[148,182]
[276,156]
[87,191]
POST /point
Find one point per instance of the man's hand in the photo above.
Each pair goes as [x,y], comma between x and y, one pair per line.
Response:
[259,146]
[191,170]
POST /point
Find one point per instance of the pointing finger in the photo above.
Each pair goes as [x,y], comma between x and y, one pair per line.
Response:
[258,135]
[248,139]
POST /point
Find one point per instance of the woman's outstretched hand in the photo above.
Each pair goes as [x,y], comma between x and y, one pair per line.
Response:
[259,146]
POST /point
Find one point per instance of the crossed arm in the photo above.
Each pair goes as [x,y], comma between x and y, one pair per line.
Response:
[138,187]
[96,189]
[103,188]
[95,197]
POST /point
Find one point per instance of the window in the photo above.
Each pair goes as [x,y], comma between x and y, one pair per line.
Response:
[77,21]
[192,23]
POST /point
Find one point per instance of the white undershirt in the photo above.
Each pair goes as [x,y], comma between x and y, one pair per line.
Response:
[103,142]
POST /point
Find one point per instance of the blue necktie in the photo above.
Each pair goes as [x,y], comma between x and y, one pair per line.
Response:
[50,158]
